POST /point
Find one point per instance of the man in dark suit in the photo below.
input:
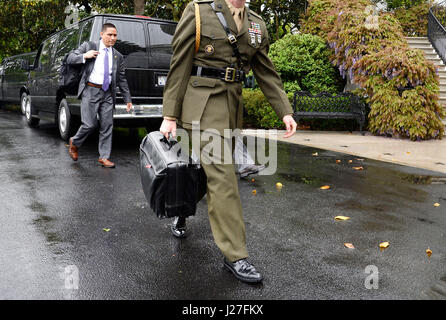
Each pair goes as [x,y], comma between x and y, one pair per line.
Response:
[102,72]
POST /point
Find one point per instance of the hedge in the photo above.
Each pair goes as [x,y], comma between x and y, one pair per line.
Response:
[303,62]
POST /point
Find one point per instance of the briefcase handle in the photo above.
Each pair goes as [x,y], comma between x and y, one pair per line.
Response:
[170,142]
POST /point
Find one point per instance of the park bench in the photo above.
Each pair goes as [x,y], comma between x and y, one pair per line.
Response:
[345,105]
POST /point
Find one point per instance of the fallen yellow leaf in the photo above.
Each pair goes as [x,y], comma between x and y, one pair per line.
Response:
[436,204]
[384,245]
[349,245]
[325,187]
[428,252]
[358,168]
[341,218]
[254,191]
[106,230]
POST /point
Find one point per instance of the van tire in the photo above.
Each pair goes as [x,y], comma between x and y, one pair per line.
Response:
[23,99]
[29,111]
[65,121]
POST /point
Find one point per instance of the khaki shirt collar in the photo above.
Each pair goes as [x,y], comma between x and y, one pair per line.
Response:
[235,10]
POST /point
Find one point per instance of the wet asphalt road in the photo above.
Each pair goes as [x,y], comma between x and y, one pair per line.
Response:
[53,213]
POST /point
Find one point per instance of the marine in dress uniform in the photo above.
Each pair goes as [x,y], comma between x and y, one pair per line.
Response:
[205,86]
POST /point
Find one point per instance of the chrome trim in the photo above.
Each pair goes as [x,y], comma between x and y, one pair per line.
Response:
[138,111]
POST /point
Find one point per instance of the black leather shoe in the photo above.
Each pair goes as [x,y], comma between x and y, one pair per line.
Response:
[250,169]
[178,227]
[243,271]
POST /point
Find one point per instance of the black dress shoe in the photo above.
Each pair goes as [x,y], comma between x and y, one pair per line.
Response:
[250,169]
[243,270]
[179,228]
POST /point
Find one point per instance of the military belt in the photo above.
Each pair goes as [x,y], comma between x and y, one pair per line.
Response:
[226,74]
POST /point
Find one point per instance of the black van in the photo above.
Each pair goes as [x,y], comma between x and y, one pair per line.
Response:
[13,79]
[145,44]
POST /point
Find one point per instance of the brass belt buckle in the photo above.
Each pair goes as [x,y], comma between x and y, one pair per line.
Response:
[230,75]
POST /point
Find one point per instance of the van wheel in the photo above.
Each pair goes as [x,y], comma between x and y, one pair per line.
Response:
[23,102]
[29,110]
[65,121]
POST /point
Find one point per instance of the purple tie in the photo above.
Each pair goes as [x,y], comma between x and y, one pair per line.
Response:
[106,82]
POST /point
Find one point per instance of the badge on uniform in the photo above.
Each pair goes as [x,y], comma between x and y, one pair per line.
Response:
[209,49]
[255,33]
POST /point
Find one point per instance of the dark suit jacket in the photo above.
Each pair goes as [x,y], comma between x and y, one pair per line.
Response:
[118,72]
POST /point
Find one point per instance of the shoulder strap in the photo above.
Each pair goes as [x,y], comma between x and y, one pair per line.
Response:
[231,38]
[197,26]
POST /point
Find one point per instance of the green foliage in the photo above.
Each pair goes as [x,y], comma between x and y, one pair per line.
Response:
[398,82]
[25,23]
[414,19]
[281,16]
[302,60]
[164,9]
[259,113]
[303,63]
[406,4]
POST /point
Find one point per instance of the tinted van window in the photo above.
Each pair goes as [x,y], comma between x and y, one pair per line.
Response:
[131,43]
[68,40]
[161,38]
[46,53]
[86,30]
[131,37]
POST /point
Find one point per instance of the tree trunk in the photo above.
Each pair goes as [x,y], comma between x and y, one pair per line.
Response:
[86,6]
[139,7]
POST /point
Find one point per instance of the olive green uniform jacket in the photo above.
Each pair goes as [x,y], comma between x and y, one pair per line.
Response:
[213,102]
[217,104]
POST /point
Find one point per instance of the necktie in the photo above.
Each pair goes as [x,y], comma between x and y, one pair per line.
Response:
[106,82]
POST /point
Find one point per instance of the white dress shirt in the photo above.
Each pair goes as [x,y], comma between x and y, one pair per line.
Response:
[97,75]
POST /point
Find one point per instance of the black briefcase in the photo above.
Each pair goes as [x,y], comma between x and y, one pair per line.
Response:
[172,182]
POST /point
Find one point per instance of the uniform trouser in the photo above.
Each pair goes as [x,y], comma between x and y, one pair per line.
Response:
[223,199]
[96,103]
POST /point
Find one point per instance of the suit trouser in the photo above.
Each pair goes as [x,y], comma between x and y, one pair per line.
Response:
[96,103]
[223,198]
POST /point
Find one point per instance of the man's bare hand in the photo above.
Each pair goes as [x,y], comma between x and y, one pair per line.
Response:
[129,106]
[290,124]
[91,54]
[168,126]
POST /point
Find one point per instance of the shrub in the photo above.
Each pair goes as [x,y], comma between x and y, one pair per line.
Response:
[302,60]
[259,113]
[414,20]
[398,82]
[303,63]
